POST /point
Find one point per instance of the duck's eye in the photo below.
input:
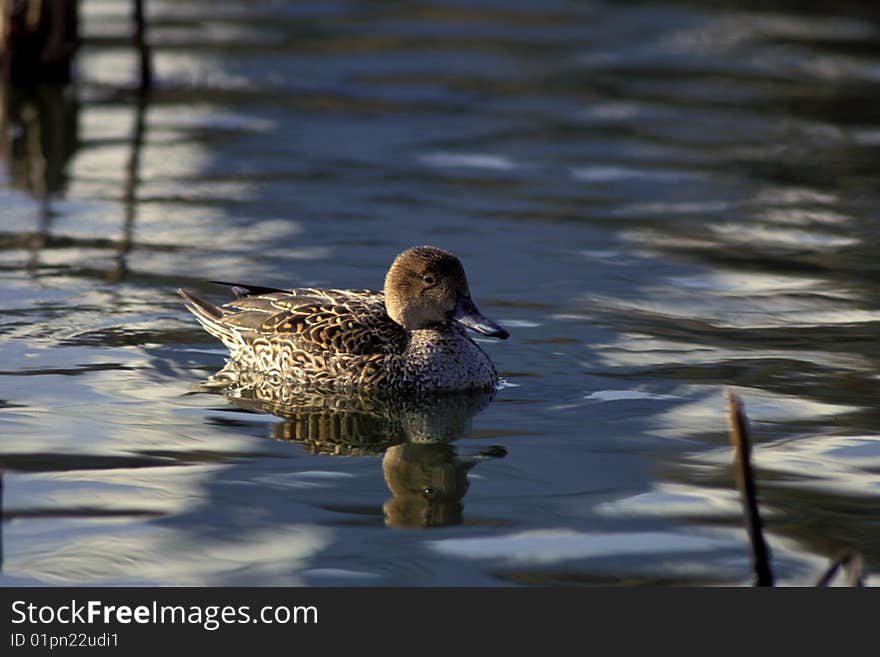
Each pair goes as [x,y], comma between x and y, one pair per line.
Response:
[428,279]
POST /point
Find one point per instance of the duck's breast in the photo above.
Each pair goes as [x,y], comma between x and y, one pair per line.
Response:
[446,359]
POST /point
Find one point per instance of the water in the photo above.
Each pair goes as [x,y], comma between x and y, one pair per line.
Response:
[661,201]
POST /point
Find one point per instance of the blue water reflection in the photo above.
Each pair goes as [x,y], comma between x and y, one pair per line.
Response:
[658,200]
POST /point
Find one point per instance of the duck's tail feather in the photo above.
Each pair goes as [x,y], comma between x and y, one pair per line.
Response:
[210,317]
[240,290]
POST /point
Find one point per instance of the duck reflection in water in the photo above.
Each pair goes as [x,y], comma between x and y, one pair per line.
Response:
[415,433]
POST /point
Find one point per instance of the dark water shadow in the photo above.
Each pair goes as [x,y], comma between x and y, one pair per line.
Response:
[422,467]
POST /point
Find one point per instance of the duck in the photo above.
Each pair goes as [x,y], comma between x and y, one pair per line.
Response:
[412,336]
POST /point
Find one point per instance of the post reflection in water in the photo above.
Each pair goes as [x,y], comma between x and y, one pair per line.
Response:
[422,468]
[38,136]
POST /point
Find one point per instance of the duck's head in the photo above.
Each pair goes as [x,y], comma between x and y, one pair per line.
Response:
[426,285]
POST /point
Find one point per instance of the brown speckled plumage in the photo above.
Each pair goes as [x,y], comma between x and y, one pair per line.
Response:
[344,338]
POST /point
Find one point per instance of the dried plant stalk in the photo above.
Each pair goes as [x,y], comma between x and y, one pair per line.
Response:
[739,437]
[852,564]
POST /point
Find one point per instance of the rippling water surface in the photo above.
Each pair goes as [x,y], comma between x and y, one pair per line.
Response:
[659,200]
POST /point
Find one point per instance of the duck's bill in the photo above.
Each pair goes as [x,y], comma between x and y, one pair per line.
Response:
[466,313]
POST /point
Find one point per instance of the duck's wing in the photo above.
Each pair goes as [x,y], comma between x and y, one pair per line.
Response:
[339,321]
